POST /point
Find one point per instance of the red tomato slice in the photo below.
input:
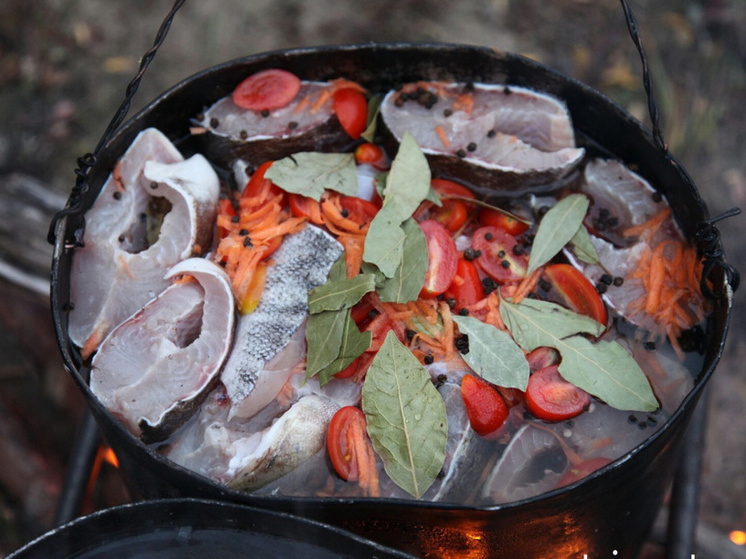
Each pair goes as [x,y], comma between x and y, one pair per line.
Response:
[302,206]
[442,258]
[466,286]
[351,109]
[358,210]
[266,90]
[347,435]
[572,289]
[543,357]
[585,468]
[371,154]
[348,371]
[498,259]
[552,398]
[447,188]
[485,407]
[452,214]
[488,216]
[379,327]
[260,188]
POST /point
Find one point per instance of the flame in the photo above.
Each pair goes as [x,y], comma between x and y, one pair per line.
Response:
[738,537]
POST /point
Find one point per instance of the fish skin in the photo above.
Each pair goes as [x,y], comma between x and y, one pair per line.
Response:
[155,368]
[301,263]
[110,279]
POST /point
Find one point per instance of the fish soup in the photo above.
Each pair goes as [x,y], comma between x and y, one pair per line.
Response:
[443,297]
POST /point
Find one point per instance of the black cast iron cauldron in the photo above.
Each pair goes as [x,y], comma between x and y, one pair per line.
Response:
[608,513]
[194,529]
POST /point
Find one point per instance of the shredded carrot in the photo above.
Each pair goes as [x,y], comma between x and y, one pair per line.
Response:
[354,246]
[448,334]
[648,229]
[93,341]
[301,105]
[331,209]
[323,98]
[440,131]
[342,83]
[464,102]
[527,285]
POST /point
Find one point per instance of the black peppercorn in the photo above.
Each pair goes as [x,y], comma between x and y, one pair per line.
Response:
[214,123]
[618,281]
[470,254]
[463,312]
[472,146]
[265,113]
[461,153]
[429,359]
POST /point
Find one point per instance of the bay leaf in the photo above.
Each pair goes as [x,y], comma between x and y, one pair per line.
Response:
[310,173]
[353,345]
[557,227]
[608,371]
[583,248]
[408,181]
[338,271]
[493,354]
[534,323]
[340,294]
[406,417]
[324,332]
[409,277]
[374,107]
[384,243]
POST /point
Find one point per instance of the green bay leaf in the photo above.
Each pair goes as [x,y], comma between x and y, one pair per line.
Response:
[583,248]
[608,371]
[408,181]
[374,107]
[557,227]
[353,345]
[406,417]
[409,277]
[384,243]
[324,332]
[534,323]
[340,294]
[493,354]
[310,173]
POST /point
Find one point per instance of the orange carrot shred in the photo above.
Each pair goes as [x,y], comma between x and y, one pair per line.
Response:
[440,131]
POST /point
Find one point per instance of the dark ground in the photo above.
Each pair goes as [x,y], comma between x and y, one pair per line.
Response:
[64,65]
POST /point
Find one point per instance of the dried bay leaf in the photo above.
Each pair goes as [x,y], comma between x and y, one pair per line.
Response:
[384,243]
[557,227]
[406,417]
[583,248]
[310,173]
[409,277]
[353,345]
[374,107]
[340,294]
[493,354]
[324,332]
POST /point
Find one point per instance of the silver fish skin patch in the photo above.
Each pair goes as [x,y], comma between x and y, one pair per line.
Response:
[301,263]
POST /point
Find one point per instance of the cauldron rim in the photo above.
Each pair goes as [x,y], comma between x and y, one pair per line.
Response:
[267,59]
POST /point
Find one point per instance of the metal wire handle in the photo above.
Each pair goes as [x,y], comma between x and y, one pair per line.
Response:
[707,236]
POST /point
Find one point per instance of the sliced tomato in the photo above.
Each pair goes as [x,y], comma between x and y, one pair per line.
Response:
[494,218]
[348,371]
[585,468]
[370,154]
[267,90]
[543,357]
[573,290]
[497,258]
[272,245]
[452,214]
[259,189]
[346,438]
[351,109]
[448,188]
[466,287]
[358,210]
[303,206]
[362,313]
[442,257]
[379,327]
[552,398]
[485,407]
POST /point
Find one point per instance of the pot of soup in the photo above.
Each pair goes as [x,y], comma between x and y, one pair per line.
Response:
[439,296]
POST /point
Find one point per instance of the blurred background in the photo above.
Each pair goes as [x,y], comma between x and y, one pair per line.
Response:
[64,66]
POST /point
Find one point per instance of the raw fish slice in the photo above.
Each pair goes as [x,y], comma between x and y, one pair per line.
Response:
[308,123]
[301,263]
[117,270]
[154,370]
[486,132]
[532,463]
[294,438]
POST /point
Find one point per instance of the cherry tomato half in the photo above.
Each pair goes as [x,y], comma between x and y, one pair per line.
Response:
[347,435]
[494,218]
[586,467]
[442,257]
[266,90]
[358,210]
[348,371]
[466,287]
[498,259]
[572,289]
[552,398]
[370,154]
[543,357]
[351,109]
[447,188]
[302,206]
[452,214]
[485,407]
